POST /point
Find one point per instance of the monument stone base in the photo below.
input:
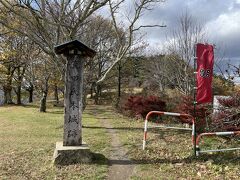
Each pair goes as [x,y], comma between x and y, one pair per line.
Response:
[65,155]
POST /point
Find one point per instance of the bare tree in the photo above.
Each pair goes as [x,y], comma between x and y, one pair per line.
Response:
[127,40]
[184,37]
[13,63]
[26,53]
[233,71]
[100,34]
[30,76]
[48,23]
[157,70]
[43,70]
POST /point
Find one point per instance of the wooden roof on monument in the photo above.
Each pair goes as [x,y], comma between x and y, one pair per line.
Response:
[74,45]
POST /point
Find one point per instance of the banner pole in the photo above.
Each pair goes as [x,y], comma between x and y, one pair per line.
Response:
[194,100]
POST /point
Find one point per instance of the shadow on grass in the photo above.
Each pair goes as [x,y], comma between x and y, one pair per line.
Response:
[218,159]
[153,130]
[141,162]
[30,105]
[21,105]
[55,112]
[98,127]
[117,128]
[99,110]
[97,158]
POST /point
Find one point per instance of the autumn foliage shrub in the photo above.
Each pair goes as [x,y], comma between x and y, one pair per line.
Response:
[186,106]
[231,102]
[227,118]
[139,106]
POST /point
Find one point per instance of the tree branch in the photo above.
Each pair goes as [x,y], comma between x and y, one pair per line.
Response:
[148,26]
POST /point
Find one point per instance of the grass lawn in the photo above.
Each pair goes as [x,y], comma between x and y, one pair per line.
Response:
[27,143]
[168,154]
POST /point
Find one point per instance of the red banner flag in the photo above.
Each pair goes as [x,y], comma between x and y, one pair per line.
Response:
[205,58]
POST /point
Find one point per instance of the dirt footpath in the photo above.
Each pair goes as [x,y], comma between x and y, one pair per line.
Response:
[120,166]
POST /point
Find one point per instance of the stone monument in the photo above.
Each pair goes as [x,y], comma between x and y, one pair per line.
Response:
[73,149]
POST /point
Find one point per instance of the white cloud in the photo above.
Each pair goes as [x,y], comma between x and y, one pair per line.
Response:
[221,19]
[225,24]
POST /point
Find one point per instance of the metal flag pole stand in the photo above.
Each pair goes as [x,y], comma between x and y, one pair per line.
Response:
[194,100]
[197,137]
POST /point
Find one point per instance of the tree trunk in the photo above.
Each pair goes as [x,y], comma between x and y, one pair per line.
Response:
[84,96]
[7,94]
[119,81]
[97,94]
[30,98]
[43,102]
[160,85]
[56,94]
[91,90]
[30,91]
[7,88]
[18,93]
[119,85]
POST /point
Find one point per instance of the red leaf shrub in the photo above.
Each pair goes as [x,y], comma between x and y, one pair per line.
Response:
[186,106]
[225,121]
[228,116]
[233,101]
[139,106]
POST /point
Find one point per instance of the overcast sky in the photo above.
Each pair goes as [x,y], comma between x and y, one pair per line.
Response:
[221,19]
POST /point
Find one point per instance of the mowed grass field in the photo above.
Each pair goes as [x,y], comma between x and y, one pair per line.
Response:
[27,142]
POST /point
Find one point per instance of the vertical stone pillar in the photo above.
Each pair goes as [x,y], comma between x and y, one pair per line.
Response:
[73,101]
[73,149]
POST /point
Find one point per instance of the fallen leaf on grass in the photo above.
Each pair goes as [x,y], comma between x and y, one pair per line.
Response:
[178,164]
